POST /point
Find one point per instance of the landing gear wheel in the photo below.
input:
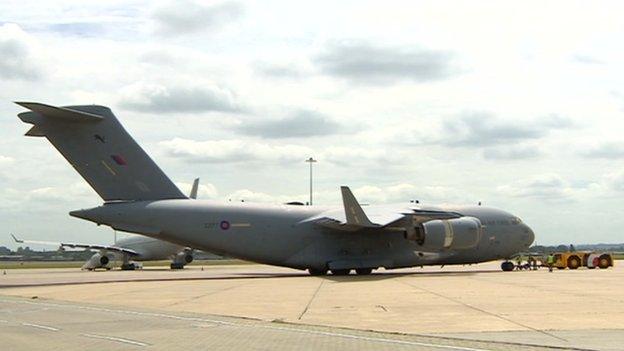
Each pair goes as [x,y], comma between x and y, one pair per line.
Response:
[177,266]
[128,267]
[363,271]
[317,272]
[604,262]
[340,271]
[574,262]
[507,266]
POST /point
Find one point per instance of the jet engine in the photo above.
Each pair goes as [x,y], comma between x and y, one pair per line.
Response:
[456,234]
[181,259]
[98,260]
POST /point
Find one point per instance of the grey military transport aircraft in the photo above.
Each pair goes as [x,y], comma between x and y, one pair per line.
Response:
[139,198]
[128,251]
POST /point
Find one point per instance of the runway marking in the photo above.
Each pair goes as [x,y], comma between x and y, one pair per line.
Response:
[311,299]
[205,325]
[113,338]
[242,325]
[3,321]
[45,327]
[485,312]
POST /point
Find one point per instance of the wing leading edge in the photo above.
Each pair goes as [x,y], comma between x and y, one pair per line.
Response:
[79,246]
[355,218]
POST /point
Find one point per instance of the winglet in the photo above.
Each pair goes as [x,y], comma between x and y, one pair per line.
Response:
[353,211]
[17,240]
[193,194]
[61,113]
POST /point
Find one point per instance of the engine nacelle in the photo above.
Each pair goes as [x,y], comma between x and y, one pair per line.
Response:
[97,261]
[455,234]
[184,257]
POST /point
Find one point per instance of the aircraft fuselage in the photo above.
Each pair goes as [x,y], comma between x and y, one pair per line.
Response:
[280,235]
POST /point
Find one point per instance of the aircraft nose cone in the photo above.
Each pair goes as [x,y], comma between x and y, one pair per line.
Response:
[528,236]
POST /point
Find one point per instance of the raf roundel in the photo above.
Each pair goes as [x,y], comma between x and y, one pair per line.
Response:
[224,225]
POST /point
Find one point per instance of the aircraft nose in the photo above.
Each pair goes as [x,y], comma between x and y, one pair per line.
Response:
[528,236]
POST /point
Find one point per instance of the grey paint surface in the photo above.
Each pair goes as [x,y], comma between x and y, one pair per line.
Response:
[140,199]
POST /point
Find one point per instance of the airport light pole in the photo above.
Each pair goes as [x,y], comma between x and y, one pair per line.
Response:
[311,161]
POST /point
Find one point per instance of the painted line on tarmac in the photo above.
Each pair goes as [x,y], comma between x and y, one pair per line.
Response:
[116,339]
[44,327]
[252,326]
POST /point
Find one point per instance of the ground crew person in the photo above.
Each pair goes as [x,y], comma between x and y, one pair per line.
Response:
[551,261]
[519,263]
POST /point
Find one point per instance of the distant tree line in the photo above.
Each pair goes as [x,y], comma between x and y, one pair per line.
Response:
[28,254]
[585,247]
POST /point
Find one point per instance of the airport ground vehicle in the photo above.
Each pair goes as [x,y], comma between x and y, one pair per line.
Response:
[576,259]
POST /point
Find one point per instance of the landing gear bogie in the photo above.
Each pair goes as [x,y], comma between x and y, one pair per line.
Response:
[175,265]
[340,271]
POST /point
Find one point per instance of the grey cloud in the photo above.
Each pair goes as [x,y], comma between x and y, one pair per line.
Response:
[511,153]
[16,57]
[368,64]
[186,16]
[610,150]
[156,98]
[547,187]
[279,70]
[303,123]
[478,129]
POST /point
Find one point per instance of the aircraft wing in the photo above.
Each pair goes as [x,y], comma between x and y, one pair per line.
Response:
[79,246]
[354,217]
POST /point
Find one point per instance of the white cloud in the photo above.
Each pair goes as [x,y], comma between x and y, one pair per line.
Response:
[18,54]
[158,98]
[187,16]
[5,160]
[233,151]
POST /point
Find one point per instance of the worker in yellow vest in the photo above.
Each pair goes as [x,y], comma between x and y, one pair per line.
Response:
[550,261]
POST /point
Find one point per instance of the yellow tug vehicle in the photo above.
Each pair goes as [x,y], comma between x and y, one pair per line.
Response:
[576,259]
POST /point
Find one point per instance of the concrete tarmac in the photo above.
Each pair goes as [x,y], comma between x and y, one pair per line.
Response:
[472,307]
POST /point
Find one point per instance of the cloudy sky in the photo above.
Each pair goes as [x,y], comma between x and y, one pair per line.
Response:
[520,106]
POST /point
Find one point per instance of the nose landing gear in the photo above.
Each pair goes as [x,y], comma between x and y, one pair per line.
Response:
[507,266]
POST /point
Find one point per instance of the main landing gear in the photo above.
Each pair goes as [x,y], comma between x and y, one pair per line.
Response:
[507,266]
[176,265]
[342,272]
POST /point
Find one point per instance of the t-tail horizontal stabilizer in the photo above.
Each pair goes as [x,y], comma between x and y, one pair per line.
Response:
[353,211]
[94,142]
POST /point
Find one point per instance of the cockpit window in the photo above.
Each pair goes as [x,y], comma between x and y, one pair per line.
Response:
[515,220]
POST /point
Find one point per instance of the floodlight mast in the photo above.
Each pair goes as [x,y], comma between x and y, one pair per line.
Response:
[311,160]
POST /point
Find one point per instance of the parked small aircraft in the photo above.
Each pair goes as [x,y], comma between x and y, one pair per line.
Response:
[129,251]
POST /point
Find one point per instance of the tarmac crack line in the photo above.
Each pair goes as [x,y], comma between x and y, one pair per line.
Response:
[311,299]
[207,294]
[486,312]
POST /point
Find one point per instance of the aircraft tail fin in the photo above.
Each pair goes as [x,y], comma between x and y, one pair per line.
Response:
[353,211]
[194,188]
[94,142]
